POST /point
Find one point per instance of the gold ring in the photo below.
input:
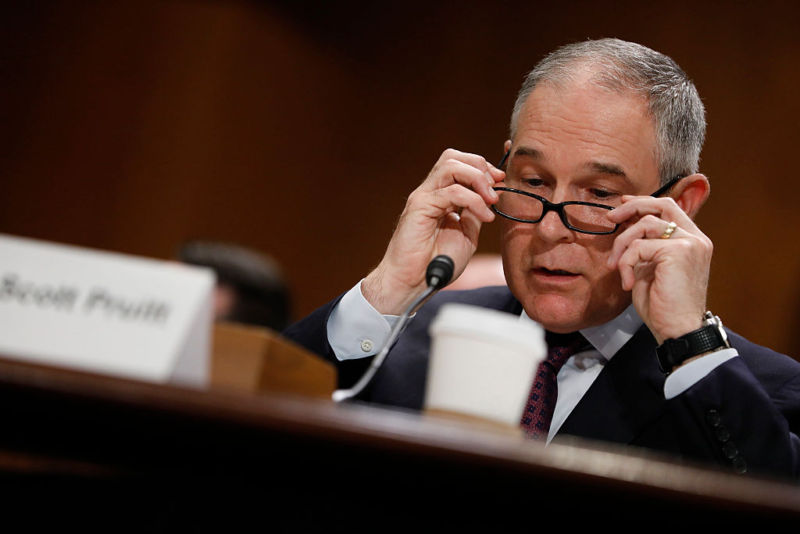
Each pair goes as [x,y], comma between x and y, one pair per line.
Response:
[669,230]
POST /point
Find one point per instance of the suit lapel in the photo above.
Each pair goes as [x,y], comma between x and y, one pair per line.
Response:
[626,395]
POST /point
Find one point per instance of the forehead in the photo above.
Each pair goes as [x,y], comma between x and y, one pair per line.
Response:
[579,125]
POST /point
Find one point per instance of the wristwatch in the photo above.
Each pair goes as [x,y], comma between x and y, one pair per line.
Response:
[710,337]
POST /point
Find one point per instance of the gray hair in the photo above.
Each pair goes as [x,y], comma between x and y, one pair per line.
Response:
[672,99]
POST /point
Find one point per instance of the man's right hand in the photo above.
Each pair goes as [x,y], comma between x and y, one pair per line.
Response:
[442,216]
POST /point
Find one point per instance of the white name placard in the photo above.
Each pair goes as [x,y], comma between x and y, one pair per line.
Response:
[105,312]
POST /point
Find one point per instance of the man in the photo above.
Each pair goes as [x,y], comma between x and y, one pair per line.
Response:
[598,200]
[250,286]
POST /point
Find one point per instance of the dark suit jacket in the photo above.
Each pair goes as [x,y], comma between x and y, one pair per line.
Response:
[745,415]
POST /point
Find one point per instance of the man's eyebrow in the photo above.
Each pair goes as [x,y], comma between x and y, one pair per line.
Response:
[597,167]
[529,152]
[606,168]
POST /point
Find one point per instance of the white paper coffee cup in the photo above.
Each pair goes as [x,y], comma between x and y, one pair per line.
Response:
[482,363]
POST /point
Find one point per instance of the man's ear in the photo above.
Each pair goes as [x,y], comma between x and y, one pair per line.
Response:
[691,193]
[507,146]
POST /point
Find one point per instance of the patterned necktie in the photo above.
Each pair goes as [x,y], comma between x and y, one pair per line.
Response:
[544,391]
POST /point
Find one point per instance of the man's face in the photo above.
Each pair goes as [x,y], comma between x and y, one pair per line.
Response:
[576,142]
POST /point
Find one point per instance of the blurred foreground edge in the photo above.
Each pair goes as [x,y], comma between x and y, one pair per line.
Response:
[87,450]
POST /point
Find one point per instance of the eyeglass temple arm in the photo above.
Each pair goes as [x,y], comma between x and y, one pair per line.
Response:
[667,186]
[505,158]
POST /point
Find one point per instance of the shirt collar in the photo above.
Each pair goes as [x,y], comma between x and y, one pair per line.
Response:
[608,338]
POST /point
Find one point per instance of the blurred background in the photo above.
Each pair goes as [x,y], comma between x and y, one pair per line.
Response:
[298,128]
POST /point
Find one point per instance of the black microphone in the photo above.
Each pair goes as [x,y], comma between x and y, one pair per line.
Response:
[437,275]
[440,271]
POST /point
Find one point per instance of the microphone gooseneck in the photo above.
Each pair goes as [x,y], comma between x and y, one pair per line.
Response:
[438,274]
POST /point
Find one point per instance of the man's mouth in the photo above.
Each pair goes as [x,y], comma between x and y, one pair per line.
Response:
[553,272]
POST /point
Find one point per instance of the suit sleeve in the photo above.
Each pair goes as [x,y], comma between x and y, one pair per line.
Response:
[745,415]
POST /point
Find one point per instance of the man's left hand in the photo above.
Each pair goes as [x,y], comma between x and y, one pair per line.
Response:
[668,276]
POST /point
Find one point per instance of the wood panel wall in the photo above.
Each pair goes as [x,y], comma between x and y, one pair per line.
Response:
[298,129]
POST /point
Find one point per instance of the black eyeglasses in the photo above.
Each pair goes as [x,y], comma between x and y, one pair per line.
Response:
[584,217]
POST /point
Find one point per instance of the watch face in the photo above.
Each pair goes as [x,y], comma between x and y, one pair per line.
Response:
[714,320]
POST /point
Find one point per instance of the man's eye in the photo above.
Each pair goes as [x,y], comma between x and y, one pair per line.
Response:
[532,182]
[603,193]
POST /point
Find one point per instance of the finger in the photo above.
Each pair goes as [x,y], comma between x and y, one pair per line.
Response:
[639,259]
[665,208]
[648,227]
[498,174]
[467,224]
[454,171]
[456,197]
[644,255]
[473,160]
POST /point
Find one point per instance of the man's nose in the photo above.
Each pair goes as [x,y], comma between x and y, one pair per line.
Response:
[551,228]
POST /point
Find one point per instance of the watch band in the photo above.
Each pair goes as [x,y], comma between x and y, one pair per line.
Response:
[708,338]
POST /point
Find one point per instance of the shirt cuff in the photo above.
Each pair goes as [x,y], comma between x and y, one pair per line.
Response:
[691,373]
[356,329]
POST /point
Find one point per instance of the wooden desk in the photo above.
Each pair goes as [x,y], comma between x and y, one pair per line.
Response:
[93,451]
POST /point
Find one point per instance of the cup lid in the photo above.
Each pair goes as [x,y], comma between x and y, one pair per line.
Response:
[470,320]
